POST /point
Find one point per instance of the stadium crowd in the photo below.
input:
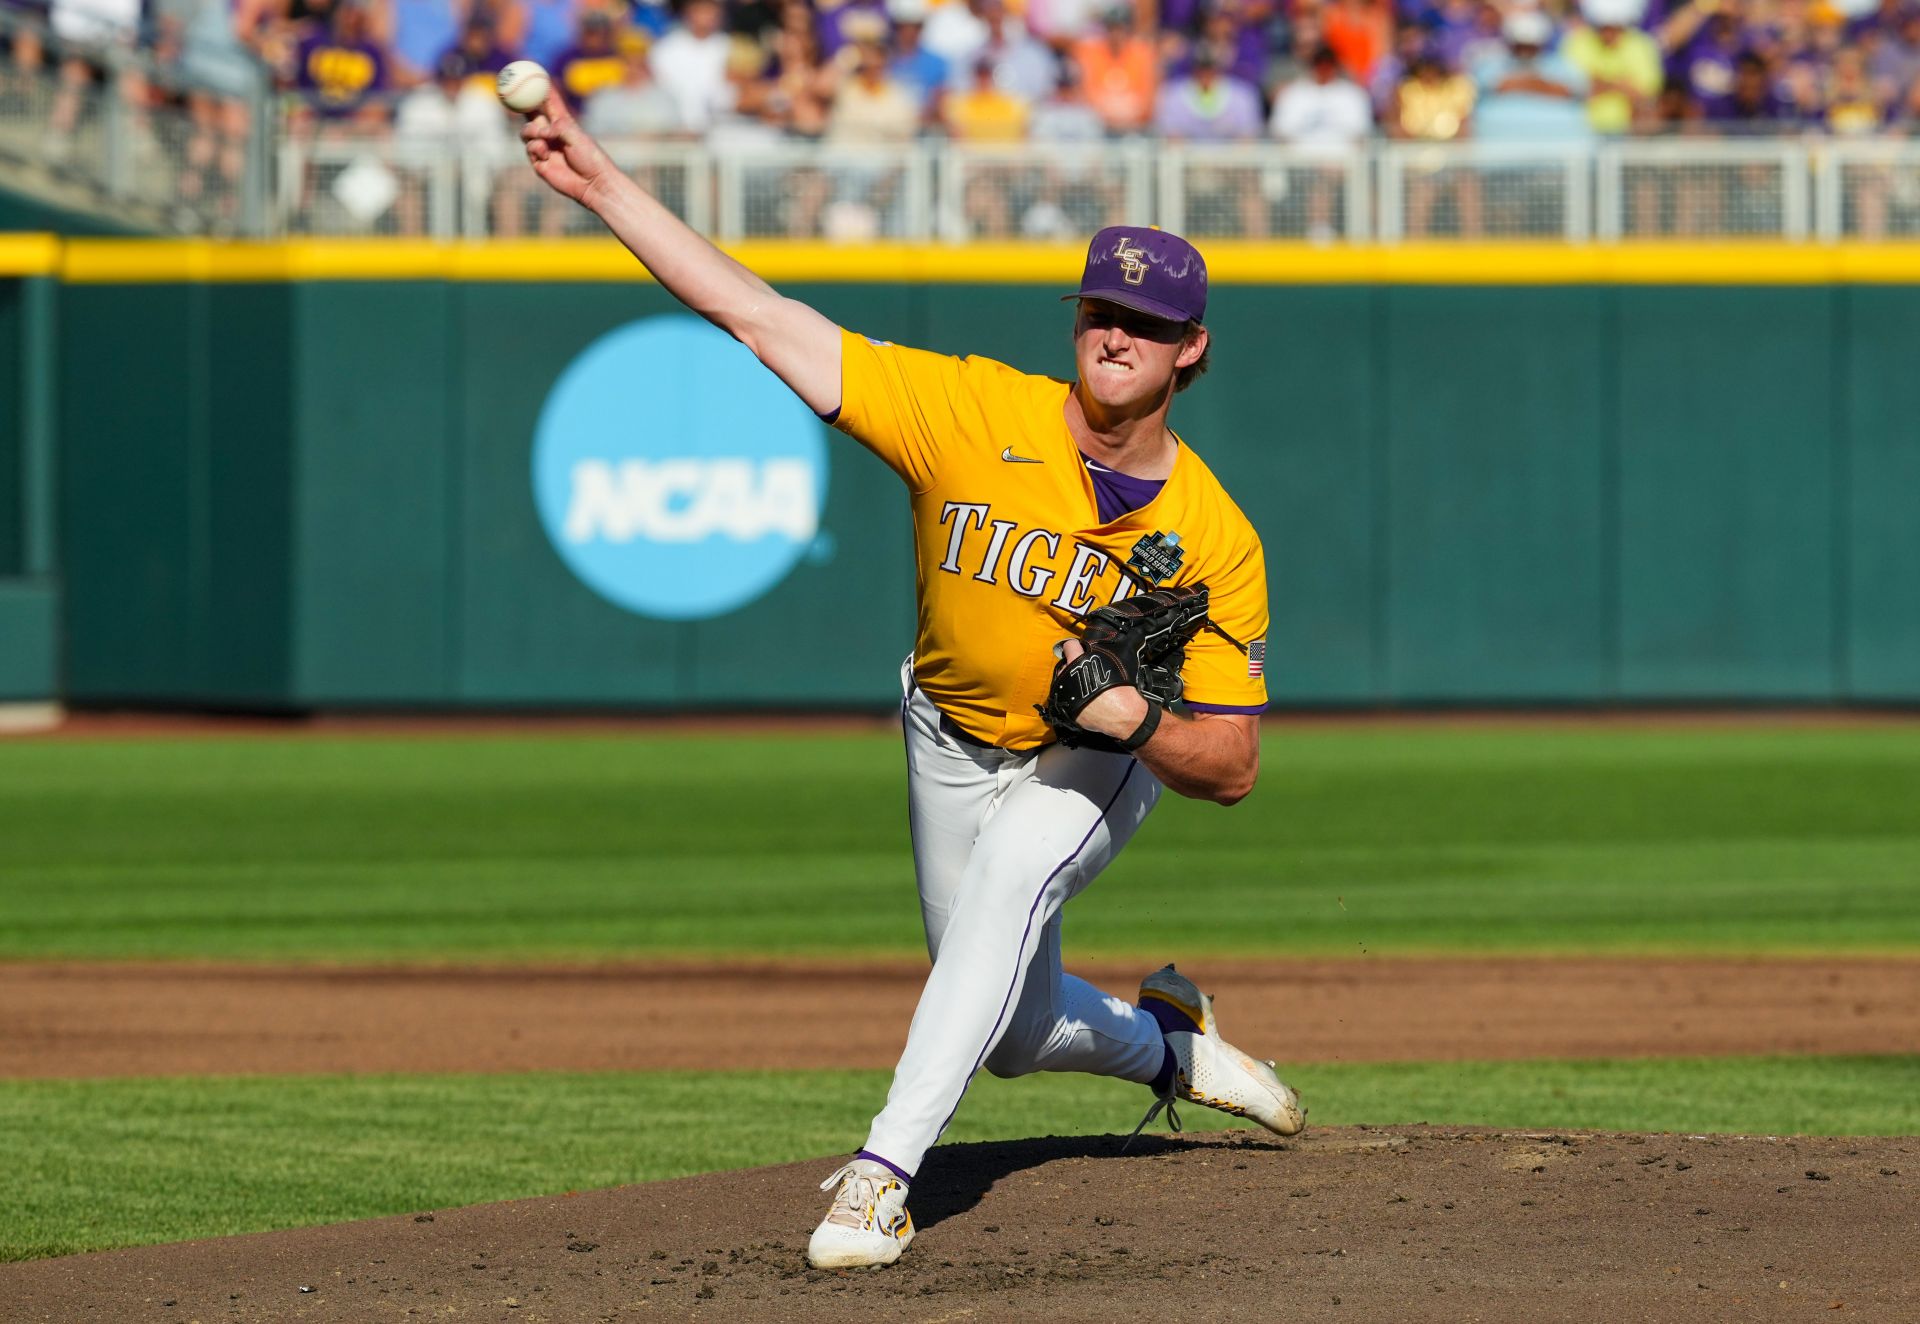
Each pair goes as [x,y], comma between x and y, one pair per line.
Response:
[1321,75]
[1312,72]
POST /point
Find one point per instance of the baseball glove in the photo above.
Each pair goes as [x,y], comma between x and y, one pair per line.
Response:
[1139,641]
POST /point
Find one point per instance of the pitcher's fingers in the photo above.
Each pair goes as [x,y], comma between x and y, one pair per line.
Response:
[553,108]
[537,126]
[1070,649]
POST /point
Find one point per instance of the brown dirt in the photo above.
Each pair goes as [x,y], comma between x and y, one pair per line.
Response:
[1406,1224]
[112,1020]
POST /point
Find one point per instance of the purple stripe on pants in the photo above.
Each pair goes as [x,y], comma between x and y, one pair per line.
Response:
[993,1035]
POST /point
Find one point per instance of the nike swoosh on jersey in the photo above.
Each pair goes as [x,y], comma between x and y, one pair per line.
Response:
[1011,458]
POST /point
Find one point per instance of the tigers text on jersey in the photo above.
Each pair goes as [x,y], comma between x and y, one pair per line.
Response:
[1010,545]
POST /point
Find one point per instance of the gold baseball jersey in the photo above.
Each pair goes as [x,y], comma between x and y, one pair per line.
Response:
[1010,545]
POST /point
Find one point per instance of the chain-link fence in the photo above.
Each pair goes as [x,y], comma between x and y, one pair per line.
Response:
[174,140]
[1041,191]
[182,144]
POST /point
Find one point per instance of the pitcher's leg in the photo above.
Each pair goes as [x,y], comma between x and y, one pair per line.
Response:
[1063,1023]
[1049,835]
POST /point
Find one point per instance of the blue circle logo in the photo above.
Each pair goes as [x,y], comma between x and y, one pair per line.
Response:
[674,474]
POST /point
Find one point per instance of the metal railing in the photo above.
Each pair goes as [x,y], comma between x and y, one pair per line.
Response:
[114,128]
[1783,189]
[202,159]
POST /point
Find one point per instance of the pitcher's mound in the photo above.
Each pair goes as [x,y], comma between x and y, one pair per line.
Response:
[1393,1223]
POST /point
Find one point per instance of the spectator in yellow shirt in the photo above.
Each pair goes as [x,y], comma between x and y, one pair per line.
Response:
[985,112]
[1621,62]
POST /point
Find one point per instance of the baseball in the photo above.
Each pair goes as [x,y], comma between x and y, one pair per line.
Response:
[523,86]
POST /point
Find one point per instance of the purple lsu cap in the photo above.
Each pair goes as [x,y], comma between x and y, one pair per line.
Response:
[1148,270]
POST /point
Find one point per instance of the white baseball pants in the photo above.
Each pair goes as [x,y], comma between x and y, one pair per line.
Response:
[1000,842]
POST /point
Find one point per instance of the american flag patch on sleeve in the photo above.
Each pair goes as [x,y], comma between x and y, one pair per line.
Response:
[1257,659]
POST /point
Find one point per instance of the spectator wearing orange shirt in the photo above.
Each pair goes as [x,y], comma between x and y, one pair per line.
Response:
[1120,72]
[1358,31]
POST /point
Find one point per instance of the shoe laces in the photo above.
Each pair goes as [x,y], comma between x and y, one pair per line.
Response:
[859,1194]
[1160,1102]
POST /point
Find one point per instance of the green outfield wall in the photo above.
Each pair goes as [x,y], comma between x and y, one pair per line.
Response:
[298,488]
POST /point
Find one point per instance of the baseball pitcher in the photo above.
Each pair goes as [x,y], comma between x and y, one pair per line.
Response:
[1081,572]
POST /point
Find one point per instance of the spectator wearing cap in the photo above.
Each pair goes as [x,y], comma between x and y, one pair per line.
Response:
[911,64]
[1022,66]
[1074,191]
[1622,64]
[445,116]
[1527,92]
[691,64]
[1120,71]
[1434,104]
[1209,105]
[869,106]
[593,61]
[1324,115]
[1061,23]
[870,109]
[956,30]
[636,106]
[831,18]
[483,50]
[985,112]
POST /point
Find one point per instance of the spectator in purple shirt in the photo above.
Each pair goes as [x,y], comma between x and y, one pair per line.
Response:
[1209,105]
[830,22]
[1895,65]
[342,72]
[1701,41]
[1238,29]
[1212,106]
[1752,105]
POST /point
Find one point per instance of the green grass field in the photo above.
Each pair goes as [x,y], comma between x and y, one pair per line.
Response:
[92,1164]
[1379,840]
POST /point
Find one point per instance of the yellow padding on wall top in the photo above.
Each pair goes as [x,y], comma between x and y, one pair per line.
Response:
[129,261]
[29,254]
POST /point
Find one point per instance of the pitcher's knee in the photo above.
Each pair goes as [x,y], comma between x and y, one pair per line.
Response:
[1011,1058]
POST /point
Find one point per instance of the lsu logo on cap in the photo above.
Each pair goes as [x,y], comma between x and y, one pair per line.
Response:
[1133,266]
[675,476]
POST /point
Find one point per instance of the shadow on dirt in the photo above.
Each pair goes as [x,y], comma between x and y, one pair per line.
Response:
[957,1177]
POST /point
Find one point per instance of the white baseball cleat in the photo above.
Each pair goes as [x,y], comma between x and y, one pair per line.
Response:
[868,1225]
[1213,1073]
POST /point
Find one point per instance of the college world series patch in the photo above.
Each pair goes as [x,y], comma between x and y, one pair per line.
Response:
[1156,557]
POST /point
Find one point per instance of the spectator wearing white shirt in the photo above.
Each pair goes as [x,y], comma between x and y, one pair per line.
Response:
[1325,113]
[1327,116]
[690,64]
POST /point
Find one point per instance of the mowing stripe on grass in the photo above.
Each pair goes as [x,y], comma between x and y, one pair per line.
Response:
[1385,841]
[97,1164]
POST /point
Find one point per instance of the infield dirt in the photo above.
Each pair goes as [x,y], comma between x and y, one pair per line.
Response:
[1388,1224]
[106,1019]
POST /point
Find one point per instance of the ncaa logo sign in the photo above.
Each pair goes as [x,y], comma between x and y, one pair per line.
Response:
[675,475]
